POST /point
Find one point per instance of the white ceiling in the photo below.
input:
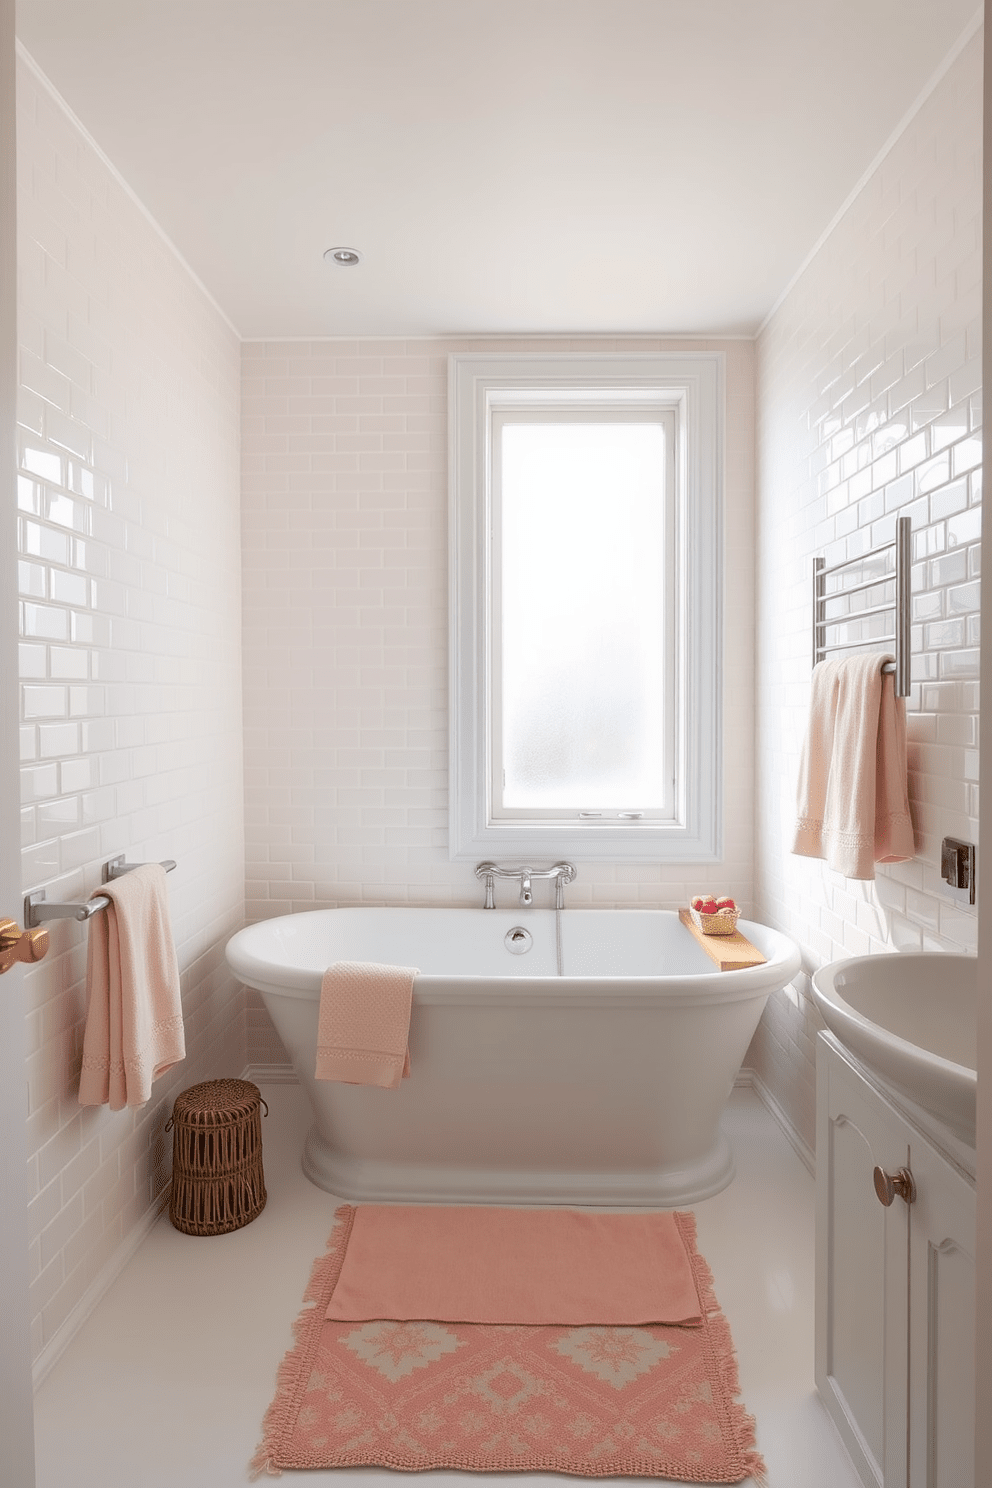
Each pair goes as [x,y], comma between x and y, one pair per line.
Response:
[503,165]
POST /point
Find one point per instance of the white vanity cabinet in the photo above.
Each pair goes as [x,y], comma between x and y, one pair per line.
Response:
[895,1285]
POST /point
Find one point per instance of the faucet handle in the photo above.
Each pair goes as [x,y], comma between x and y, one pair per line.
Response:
[488,872]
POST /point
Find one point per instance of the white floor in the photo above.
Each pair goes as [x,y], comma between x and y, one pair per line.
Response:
[167,1382]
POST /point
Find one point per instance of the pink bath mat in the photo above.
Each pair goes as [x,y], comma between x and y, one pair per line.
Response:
[487,1265]
[595,1399]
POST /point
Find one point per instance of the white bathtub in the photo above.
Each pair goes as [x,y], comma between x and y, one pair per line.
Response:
[602,1086]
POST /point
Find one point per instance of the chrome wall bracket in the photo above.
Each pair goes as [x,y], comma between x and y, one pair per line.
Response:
[37,908]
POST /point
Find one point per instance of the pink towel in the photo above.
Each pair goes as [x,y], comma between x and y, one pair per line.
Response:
[364,1023]
[853,796]
[477,1264]
[134,1016]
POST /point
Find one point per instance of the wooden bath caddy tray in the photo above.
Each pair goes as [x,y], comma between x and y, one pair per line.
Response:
[730,952]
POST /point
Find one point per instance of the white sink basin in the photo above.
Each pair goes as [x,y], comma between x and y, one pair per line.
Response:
[912,1019]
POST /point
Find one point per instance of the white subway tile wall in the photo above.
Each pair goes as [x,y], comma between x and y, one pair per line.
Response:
[869,398]
[344,492]
[131,696]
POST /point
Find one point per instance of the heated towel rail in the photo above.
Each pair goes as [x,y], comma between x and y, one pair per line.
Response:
[37,908]
[899,607]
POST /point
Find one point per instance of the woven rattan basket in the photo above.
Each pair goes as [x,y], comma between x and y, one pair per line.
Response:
[217,1180]
[724,923]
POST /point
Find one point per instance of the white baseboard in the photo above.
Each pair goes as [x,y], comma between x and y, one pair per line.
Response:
[95,1292]
[753,1081]
[270,1074]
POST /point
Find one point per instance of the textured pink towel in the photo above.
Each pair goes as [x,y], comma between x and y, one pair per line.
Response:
[534,1266]
[364,1023]
[134,1017]
[853,797]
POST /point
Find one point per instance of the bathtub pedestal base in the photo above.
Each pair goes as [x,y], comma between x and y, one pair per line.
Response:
[379,1181]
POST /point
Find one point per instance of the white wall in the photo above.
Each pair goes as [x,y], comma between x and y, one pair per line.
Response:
[869,397]
[130,665]
[345,637]
[16,1408]
[983,1270]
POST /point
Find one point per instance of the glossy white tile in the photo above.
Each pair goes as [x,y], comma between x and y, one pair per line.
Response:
[869,364]
[124,435]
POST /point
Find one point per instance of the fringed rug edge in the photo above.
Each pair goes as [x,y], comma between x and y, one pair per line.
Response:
[294,1371]
[724,1354]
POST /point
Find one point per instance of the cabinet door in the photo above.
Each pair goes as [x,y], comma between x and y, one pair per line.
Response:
[862,1251]
[942,1324]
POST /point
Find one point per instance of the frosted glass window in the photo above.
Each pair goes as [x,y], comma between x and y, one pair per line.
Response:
[585,517]
[584,656]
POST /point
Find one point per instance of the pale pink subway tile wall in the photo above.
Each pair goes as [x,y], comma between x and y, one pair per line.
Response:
[346,634]
[130,588]
[869,395]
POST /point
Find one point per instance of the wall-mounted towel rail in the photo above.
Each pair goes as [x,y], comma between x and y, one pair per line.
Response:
[898,608]
[37,908]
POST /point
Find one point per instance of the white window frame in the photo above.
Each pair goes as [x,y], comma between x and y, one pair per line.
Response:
[691,385]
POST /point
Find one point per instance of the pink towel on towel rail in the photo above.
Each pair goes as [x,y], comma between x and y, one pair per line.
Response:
[853,796]
[364,1023]
[134,1016]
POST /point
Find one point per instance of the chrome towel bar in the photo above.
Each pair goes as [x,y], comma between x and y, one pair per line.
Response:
[899,607]
[37,909]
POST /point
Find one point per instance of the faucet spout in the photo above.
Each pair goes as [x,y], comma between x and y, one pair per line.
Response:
[526,893]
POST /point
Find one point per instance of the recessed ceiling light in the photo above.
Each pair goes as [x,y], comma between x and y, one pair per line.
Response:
[345,258]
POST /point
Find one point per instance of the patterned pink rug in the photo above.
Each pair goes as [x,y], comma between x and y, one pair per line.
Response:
[596,1401]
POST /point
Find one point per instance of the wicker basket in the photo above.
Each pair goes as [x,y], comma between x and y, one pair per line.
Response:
[217,1180]
[723,923]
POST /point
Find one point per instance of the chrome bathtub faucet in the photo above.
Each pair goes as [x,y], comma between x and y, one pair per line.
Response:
[562,873]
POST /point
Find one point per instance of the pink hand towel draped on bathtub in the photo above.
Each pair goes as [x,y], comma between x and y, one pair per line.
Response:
[853,797]
[364,1023]
[134,1017]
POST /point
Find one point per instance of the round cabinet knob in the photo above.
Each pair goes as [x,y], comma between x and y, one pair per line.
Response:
[887,1185]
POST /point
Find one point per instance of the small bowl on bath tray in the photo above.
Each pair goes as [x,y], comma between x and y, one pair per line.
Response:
[724,922]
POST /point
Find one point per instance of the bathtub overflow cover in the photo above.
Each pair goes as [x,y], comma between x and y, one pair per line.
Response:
[518,940]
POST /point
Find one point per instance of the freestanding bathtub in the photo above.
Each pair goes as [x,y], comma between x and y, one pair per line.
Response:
[601,1086]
